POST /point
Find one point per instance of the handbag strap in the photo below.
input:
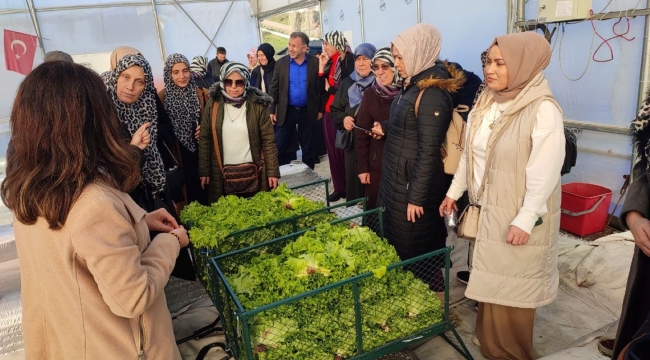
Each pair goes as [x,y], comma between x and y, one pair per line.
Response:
[171,153]
[215,139]
[215,109]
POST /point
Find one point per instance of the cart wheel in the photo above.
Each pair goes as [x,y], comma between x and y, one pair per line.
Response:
[401,355]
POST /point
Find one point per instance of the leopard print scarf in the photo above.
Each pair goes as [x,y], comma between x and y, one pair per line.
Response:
[639,128]
[135,115]
[182,104]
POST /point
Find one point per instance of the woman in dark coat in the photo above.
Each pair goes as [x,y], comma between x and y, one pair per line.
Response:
[262,75]
[336,64]
[375,107]
[635,215]
[184,103]
[200,74]
[344,112]
[413,178]
[243,129]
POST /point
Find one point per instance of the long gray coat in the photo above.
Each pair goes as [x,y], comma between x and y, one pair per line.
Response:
[636,305]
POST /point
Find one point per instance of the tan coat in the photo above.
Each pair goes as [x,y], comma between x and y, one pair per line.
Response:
[518,276]
[94,289]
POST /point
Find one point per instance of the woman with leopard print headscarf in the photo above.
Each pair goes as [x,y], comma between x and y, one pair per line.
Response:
[243,131]
[130,86]
[184,103]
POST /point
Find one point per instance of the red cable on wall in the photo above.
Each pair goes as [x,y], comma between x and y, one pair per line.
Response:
[606,41]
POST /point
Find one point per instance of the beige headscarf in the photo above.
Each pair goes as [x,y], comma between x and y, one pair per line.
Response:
[526,54]
[121,52]
[420,48]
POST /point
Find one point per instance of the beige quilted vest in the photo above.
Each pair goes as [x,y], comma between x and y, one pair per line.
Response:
[517,276]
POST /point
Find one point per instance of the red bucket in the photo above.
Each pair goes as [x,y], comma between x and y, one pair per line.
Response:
[584,208]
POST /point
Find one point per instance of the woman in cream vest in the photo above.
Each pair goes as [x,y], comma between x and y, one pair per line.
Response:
[511,168]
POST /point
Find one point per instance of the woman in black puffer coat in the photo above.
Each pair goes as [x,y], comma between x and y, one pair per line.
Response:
[413,178]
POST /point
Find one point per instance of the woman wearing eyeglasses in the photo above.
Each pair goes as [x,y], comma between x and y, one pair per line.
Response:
[244,133]
[375,107]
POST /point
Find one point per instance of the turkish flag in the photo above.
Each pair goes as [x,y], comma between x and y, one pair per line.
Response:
[19,51]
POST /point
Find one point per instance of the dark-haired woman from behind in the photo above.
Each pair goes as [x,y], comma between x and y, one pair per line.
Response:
[91,277]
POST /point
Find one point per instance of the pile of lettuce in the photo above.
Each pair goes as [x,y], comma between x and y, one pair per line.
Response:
[218,228]
[211,226]
[393,304]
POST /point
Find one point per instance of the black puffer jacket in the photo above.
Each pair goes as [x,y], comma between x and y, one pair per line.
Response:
[412,169]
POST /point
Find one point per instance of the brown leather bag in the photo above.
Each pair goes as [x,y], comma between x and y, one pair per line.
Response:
[237,179]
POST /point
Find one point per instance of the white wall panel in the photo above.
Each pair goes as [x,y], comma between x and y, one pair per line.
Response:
[180,35]
[466,30]
[384,19]
[102,30]
[342,15]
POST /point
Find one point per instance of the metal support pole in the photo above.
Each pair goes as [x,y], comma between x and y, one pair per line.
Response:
[644,77]
[219,28]
[160,40]
[363,34]
[521,13]
[419,12]
[511,16]
[320,10]
[194,22]
[32,13]
[260,38]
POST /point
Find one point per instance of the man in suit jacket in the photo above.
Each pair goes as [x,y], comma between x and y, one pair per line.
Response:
[214,66]
[299,98]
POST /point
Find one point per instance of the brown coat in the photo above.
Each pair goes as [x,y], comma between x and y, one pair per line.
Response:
[94,289]
[260,135]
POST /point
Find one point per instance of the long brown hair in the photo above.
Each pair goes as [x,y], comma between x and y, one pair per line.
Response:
[65,134]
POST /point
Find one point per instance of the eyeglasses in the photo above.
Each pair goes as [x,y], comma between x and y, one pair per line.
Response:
[382,66]
[229,83]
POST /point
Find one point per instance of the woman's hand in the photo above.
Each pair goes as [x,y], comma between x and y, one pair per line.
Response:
[516,236]
[198,132]
[448,204]
[205,180]
[348,123]
[412,211]
[640,228]
[273,182]
[160,221]
[141,138]
[377,131]
[183,240]
[322,61]
[364,178]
